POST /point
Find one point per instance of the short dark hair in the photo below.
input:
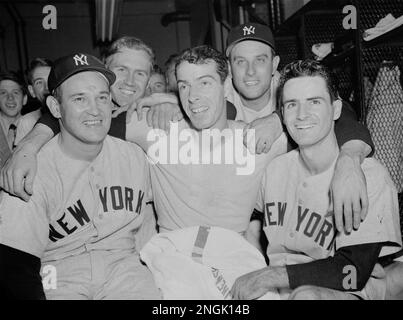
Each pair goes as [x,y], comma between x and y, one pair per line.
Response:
[57,94]
[130,43]
[307,68]
[202,55]
[171,60]
[157,70]
[14,76]
[35,63]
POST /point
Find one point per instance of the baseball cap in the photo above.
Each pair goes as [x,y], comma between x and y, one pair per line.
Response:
[65,67]
[249,31]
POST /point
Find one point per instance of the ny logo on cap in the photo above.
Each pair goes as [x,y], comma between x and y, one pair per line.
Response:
[248,31]
[80,59]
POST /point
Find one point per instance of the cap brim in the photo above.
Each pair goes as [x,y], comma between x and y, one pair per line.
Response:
[109,75]
[233,44]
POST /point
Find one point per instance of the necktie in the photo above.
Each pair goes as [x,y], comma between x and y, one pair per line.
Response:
[12,131]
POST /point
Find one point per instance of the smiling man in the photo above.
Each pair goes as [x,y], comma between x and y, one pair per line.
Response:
[131,60]
[190,188]
[251,50]
[12,99]
[306,252]
[88,201]
[38,74]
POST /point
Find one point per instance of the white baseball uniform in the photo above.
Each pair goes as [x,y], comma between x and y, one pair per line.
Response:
[81,219]
[298,214]
[192,194]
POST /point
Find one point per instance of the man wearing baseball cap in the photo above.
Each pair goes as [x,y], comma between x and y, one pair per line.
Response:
[251,51]
[80,222]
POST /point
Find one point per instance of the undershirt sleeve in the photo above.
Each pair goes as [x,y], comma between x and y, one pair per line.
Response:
[348,128]
[330,272]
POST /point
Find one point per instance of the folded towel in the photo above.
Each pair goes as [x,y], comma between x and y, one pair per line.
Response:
[386,24]
[201,262]
[321,50]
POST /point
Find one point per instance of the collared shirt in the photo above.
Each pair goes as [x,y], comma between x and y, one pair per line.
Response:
[6,127]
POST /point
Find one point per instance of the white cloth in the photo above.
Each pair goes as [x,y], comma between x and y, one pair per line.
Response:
[201,262]
[322,50]
[386,24]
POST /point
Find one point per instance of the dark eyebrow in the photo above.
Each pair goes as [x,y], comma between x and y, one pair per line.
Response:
[206,76]
[316,98]
[290,100]
[77,94]
[198,78]
[123,65]
[309,99]
[260,55]
[237,57]
[182,81]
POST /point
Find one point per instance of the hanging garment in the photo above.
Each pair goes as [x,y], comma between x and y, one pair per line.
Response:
[386,24]
[368,87]
[385,122]
[201,263]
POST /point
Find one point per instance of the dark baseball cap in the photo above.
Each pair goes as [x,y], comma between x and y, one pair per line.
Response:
[65,67]
[250,31]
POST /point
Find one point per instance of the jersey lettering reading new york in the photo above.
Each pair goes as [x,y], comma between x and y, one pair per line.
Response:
[112,199]
[312,225]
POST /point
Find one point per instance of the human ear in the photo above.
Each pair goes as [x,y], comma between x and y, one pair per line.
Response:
[54,106]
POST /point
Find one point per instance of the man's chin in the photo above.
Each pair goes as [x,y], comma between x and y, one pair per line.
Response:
[95,140]
[252,94]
